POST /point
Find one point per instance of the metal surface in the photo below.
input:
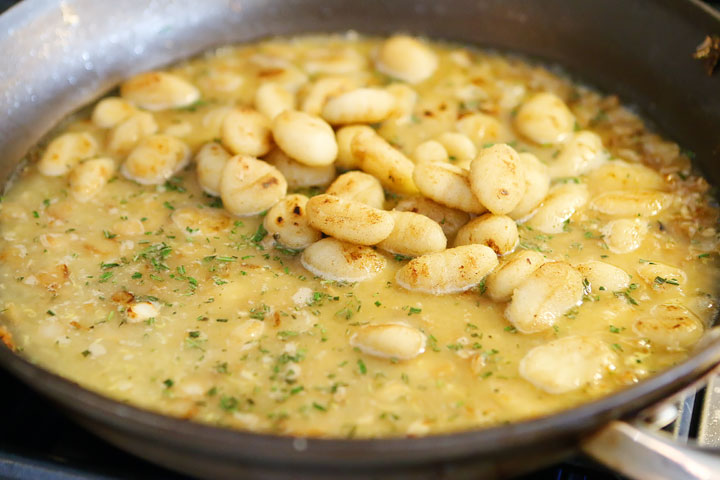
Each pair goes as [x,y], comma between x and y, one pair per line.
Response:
[649,456]
[660,443]
[709,429]
[57,56]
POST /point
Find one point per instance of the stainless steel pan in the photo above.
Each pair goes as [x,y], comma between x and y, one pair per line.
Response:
[56,56]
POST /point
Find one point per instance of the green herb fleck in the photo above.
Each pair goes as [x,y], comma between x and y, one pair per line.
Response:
[361,366]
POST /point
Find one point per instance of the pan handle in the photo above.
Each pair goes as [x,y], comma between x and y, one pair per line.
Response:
[645,455]
[639,452]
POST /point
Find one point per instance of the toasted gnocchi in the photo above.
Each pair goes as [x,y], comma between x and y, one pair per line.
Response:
[406,58]
[670,326]
[377,157]
[639,203]
[288,224]
[624,235]
[346,160]
[272,99]
[567,364]
[340,261]
[580,154]
[559,206]
[156,159]
[549,292]
[413,235]
[501,283]
[111,111]
[358,187]
[447,185]
[498,232]
[300,175]
[65,152]
[246,132]
[305,138]
[88,178]
[544,118]
[159,91]
[449,219]
[537,184]
[603,277]
[250,186]
[210,161]
[362,105]
[451,271]
[497,178]
[390,340]
[660,275]
[349,220]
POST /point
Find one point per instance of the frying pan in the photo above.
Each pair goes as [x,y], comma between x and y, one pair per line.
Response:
[59,55]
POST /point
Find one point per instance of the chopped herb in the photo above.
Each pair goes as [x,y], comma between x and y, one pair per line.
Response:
[105,277]
[533,246]
[401,258]
[156,254]
[614,329]
[51,313]
[377,303]
[260,233]
[175,185]
[36,214]
[85,353]
[287,333]
[511,329]
[414,310]
[193,106]
[361,366]
[258,313]
[168,205]
[168,383]
[317,406]
[626,295]
[433,343]
[108,234]
[569,180]
[481,287]
[703,255]
[617,347]
[228,403]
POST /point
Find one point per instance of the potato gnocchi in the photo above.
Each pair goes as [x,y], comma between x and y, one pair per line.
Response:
[341,236]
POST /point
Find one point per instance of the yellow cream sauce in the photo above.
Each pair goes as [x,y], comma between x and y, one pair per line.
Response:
[247,338]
